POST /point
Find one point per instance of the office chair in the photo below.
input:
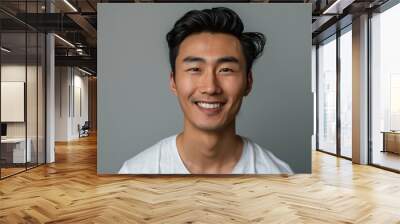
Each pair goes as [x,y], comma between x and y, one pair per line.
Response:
[84,130]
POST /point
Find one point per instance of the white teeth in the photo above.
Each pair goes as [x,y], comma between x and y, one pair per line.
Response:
[209,105]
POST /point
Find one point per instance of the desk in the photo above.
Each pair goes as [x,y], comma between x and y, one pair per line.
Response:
[16,148]
[391,141]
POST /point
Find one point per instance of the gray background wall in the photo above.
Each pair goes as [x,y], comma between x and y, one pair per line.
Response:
[136,108]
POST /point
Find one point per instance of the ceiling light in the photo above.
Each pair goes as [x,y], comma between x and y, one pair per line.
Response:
[5,49]
[326,11]
[84,71]
[65,41]
[70,5]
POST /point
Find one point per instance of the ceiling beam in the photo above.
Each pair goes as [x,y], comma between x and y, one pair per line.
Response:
[337,7]
[86,26]
[85,61]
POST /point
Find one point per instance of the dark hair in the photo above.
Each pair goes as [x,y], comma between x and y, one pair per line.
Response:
[215,20]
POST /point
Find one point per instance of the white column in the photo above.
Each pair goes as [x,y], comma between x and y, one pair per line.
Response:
[50,92]
[360,90]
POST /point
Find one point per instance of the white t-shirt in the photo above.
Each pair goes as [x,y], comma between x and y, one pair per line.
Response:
[164,158]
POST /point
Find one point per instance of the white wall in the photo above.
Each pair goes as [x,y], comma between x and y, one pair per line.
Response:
[9,73]
[62,81]
[17,73]
[81,89]
[70,83]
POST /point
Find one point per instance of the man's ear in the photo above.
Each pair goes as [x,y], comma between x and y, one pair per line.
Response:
[172,84]
[249,85]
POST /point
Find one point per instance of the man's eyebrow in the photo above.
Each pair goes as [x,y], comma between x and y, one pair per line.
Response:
[232,59]
[190,59]
[228,59]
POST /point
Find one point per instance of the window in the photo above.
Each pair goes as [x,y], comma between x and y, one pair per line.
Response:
[327,95]
[346,92]
[385,88]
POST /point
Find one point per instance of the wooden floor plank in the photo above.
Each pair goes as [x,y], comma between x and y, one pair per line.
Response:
[70,191]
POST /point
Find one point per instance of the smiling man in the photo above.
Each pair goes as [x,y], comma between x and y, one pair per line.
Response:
[211,60]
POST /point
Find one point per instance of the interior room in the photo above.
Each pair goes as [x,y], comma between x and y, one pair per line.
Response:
[49,126]
[22,103]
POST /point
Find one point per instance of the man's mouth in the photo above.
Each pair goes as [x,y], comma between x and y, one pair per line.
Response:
[209,105]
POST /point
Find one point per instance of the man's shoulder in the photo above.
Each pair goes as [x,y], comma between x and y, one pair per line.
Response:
[266,162]
[154,151]
[147,161]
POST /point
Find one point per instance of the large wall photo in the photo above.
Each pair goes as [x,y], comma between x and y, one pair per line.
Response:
[137,108]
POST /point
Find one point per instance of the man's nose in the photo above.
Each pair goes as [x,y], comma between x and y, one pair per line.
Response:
[209,83]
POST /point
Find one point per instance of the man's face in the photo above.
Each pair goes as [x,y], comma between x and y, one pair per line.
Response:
[210,79]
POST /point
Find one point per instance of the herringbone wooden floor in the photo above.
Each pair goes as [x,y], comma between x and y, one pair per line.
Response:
[70,191]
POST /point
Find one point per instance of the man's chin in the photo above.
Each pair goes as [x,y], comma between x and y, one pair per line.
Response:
[210,127]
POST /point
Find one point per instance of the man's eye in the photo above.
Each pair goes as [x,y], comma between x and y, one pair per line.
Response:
[193,69]
[226,70]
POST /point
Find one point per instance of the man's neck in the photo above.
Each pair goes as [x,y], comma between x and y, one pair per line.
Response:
[205,152]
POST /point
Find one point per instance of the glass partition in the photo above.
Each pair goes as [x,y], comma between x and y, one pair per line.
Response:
[41,87]
[31,100]
[22,77]
[327,95]
[13,110]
